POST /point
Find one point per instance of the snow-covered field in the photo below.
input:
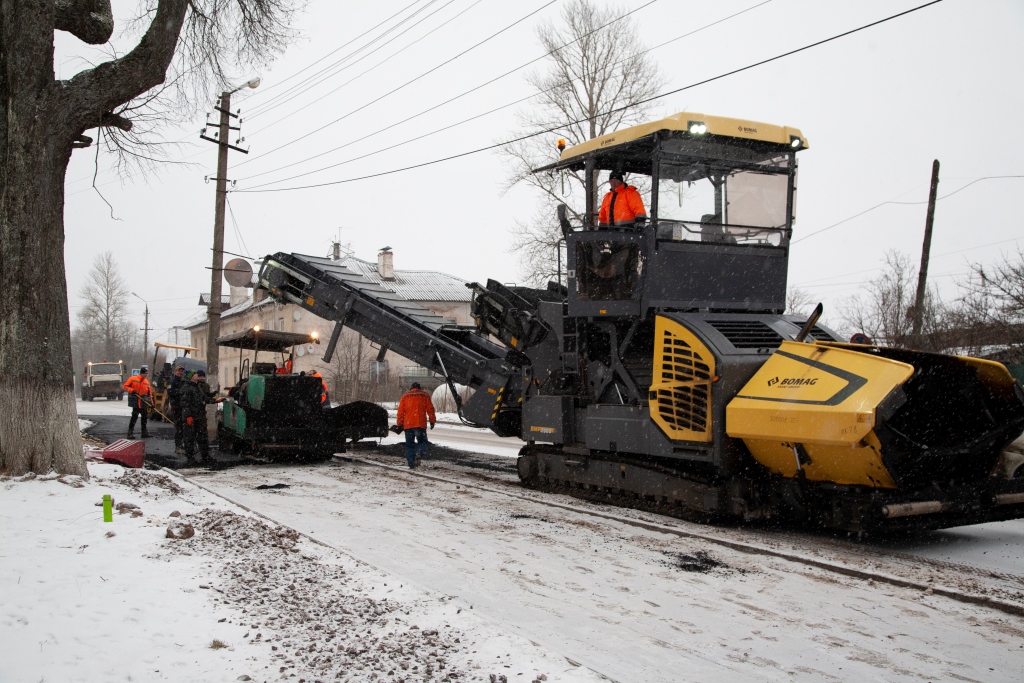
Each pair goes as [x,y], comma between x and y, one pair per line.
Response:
[85,600]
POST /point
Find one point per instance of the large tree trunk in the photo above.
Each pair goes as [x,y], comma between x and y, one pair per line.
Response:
[40,121]
[38,426]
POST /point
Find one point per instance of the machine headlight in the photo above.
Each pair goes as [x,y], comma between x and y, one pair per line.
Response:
[795,142]
[698,128]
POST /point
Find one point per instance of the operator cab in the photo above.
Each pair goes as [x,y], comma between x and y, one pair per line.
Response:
[721,217]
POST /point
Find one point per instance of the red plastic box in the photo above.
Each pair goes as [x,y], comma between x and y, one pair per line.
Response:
[125,452]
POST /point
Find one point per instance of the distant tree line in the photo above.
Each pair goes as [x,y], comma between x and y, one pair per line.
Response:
[985,318]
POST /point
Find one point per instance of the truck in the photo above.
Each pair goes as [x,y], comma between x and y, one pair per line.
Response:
[105,379]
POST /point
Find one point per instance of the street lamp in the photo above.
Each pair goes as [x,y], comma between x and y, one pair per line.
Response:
[145,328]
[217,275]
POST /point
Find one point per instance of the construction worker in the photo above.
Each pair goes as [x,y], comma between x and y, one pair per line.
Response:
[195,395]
[325,396]
[414,409]
[622,206]
[140,395]
[174,388]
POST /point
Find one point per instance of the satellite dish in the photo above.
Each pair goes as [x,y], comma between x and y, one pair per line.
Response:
[238,273]
[296,316]
[300,351]
[310,349]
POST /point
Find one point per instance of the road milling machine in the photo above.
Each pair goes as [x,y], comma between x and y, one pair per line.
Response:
[662,372]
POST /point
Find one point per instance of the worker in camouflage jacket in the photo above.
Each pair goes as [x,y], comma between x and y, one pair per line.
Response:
[174,388]
[195,396]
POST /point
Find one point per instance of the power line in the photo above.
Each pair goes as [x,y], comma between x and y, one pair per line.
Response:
[409,82]
[878,206]
[313,81]
[363,73]
[456,97]
[343,45]
[611,111]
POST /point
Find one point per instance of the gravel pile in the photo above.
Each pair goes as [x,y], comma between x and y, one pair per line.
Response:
[318,621]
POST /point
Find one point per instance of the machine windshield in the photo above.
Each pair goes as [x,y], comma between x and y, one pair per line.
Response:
[106,369]
[713,202]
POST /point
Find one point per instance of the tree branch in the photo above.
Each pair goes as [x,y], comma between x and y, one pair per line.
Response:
[90,21]
[90,96]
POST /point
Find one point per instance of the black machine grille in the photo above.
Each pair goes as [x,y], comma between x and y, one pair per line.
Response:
[748,334]
[821,335]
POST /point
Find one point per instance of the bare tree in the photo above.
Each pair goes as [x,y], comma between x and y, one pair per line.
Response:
[799,301]
[884,311]
[598,75]
[104,316]
[990,311]
[183,44]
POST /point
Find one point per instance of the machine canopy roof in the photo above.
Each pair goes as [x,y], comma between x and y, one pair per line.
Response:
[630,149]
[266,340]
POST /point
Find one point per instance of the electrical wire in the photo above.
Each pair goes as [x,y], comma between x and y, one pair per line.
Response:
[340,47]
[312,81]
[238,233]
[407,83]
[611,111]
[456,97]
[878,206]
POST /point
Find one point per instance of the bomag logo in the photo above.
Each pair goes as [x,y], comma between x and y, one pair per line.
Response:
[609,141]
[793,382]
[746,129]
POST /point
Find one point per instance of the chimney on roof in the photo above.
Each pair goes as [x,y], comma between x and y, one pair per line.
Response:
[238,295]
[386,264]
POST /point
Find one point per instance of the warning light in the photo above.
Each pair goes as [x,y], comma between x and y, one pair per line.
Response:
[561,144]
[255,328]
[314,334]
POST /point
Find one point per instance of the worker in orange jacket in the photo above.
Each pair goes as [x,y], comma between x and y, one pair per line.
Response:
[140,395]
[622,206]
[325,396]
[414,409]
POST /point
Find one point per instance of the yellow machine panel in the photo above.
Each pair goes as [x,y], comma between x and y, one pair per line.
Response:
[680,394]
[811,407]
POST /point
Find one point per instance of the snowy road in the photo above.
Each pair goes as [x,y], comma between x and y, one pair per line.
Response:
[632,604]
[997,547]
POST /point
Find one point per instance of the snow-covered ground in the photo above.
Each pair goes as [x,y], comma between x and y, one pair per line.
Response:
[637,604]
[84,600]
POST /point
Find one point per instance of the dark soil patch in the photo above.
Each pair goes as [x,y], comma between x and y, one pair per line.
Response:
[539,519]
[699,562]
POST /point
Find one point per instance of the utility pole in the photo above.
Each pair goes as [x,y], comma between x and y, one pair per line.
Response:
[922,274]
[213,312]
[145,328]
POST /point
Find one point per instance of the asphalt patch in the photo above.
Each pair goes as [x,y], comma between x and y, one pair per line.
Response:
[264,487]
[699,562]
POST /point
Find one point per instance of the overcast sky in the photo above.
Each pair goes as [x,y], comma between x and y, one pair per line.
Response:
[877,107]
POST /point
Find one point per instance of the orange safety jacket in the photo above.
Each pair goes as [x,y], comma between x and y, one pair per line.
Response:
[324,394]
[413,410]
[138,385]
[621,207]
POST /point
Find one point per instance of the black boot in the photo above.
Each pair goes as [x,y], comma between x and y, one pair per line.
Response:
[145,434]
[130,435]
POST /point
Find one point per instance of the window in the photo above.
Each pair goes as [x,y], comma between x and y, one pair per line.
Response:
[378,372]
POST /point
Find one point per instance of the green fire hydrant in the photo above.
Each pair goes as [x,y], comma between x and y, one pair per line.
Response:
[108,508]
